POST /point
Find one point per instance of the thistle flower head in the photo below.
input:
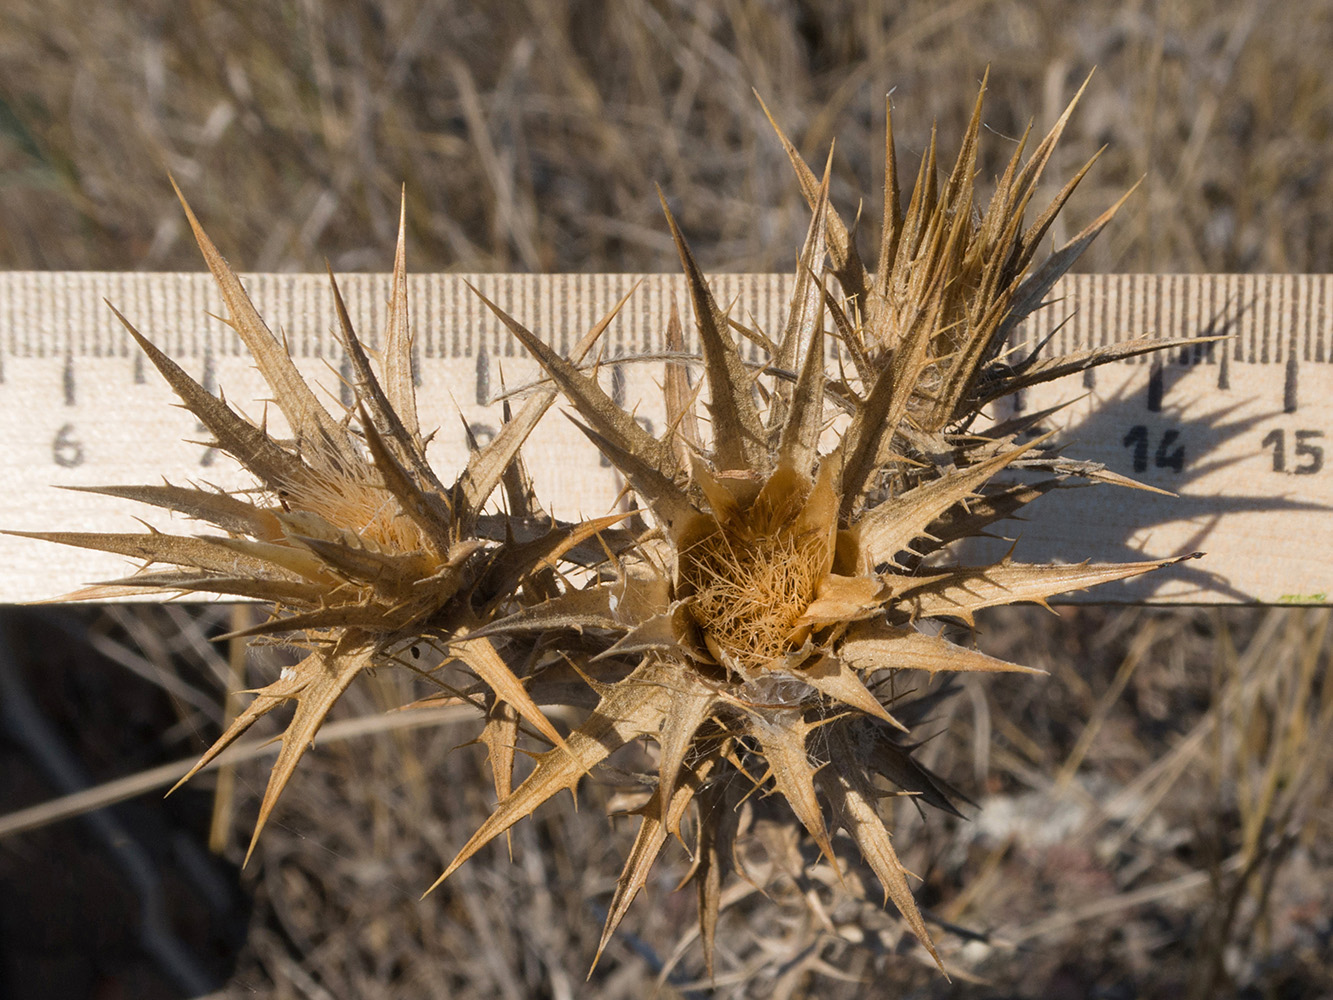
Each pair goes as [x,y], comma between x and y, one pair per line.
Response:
[781,592]
[355,544]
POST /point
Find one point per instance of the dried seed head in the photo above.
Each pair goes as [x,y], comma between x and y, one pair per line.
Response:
[748,591]
[748,577]
[785,582]
[350,536]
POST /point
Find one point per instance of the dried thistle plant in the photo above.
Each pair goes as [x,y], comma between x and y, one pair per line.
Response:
[764,632]
[768,623]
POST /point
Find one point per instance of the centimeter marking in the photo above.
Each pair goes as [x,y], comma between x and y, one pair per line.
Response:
[1236,428]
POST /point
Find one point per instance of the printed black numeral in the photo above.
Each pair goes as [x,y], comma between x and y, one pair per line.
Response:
[1312,453]
[1168,457]
[65,450]
[479,435]
[1169,454]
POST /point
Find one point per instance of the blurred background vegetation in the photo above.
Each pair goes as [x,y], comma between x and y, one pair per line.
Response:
[1156,818]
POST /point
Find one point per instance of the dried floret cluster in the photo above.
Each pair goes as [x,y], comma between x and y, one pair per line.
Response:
[759,617]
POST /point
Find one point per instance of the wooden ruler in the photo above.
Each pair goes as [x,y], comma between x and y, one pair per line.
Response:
[1241,430]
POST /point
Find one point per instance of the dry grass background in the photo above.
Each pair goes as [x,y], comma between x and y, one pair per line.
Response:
[1156,818]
